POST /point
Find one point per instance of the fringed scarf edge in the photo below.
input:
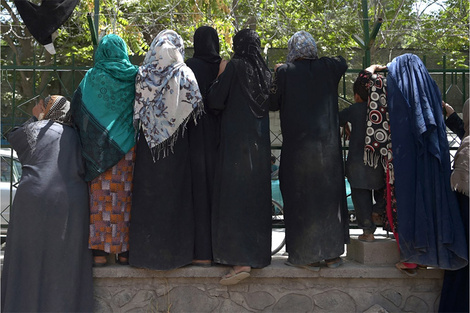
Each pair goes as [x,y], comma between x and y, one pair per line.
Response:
[166,147]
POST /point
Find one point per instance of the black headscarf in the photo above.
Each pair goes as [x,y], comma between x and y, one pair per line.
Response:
[206,44]
[252,70]
[42,20]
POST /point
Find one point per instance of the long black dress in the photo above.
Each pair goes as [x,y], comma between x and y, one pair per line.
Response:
[241,213]
[48,266]
[162,224]
[203,140]
[311,171]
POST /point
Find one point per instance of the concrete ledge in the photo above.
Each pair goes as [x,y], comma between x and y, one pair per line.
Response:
[353,287]
[383,251]
[277,269]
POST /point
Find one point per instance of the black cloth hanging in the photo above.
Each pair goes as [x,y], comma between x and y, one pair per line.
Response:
[42,20]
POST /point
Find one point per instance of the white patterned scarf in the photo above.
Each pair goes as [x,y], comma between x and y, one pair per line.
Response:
[167,94]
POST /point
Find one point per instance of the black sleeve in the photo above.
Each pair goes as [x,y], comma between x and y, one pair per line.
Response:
[275,94]
[345,116]
[455,124]
[219,91]
[340,66]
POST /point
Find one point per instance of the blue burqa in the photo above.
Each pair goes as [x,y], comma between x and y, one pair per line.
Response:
[430,228]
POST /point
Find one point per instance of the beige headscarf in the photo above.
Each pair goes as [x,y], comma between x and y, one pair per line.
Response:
[459,176]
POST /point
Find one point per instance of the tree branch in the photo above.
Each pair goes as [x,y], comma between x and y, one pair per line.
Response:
[10,11]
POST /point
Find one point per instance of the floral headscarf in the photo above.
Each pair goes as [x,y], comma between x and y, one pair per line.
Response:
[167,93]
[301,46]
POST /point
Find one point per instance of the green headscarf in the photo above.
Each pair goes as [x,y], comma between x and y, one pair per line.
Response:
[102,107]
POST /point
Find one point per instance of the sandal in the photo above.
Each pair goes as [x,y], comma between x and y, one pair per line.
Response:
[366,237]
[314,267]
[334,263]
[234,277]
[122,260]
[406,270]
[97,263]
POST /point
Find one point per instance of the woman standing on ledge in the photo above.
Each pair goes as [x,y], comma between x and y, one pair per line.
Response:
[311,169]
[241,218]
[102,109]
[167,98]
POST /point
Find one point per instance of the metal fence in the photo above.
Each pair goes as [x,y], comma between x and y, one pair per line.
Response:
[21,85]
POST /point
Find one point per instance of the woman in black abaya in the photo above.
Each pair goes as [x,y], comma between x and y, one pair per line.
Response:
[167,98]
[203,142]
[48,266]
[311,169]
[241,213]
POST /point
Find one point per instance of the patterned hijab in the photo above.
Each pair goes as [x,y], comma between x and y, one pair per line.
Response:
[57,110]
[102,107]
[301,46]
[252,71]
[206,44]
[378,143]
[167,93]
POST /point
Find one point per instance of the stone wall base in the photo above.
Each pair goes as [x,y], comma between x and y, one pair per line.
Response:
[353,287]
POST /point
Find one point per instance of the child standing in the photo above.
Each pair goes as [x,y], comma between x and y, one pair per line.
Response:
[367,183]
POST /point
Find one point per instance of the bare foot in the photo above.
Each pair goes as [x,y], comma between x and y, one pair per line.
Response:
[99,260]
[203,263]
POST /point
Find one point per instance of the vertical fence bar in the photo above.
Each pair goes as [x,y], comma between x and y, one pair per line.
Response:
[444,96]
[13,109]
[73,71]
[97,18]
[365,16]
[464,89]
[34,72]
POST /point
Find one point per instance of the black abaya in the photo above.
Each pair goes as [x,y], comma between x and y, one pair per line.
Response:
[161,234]
[241,213]
[48,266]
[311,168]
[203,140]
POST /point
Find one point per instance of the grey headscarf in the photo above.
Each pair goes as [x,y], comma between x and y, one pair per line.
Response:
[57,109]
[301,46]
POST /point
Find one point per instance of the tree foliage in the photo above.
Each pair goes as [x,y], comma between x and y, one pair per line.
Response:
[331,22]
[407,25]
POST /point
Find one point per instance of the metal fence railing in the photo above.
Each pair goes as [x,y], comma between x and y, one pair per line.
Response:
[21,85]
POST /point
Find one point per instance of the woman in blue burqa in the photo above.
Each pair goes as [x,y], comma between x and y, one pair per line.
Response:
[430,228]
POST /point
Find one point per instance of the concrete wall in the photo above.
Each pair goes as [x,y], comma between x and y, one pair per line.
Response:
[353,287]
